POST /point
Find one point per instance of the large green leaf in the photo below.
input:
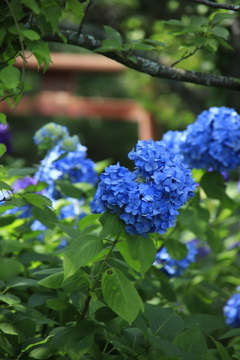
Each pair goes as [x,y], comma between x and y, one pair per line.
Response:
[221,349]
[10,299]
[191,340]
[69,230]
[9,268]
[10,77]
[83,249]
[111,224]
[38,200]
[139,252]
[165,321]
[175,249]
[42,352]
[53,281]
[121,295]
[212,183]
[17,281]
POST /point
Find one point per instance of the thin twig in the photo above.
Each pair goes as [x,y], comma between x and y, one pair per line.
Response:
[85,14]
[186,56]
[217,5]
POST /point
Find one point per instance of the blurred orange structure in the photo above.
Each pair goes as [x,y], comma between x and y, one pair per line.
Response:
[58,88]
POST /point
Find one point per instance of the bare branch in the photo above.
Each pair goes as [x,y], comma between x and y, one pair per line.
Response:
[217,5]
[147,66]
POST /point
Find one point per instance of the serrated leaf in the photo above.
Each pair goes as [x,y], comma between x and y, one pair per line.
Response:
[120,295]
[69,230]
[113,33]
[17,281]
[53,281]
[42,54]
[83,249]
[7,328]
[165,321]
[191,340]
[139,252]
[42,353]
[176,250]
[88,220]
[111,224]
[38,200]
[3,149]
[3,118]
[10,299]
[46,216]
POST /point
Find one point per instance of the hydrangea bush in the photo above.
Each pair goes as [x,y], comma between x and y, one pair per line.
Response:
[123,265]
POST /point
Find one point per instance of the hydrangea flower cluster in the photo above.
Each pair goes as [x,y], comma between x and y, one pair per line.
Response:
[50,134]
[172,267]
[212,142]
[232,310]
[147,199]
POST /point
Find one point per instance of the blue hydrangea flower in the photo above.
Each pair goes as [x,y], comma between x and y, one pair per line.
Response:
[232,310]
[213,141]
[147,199]
[50,134]
[172,267]
[173,139]
[24,182]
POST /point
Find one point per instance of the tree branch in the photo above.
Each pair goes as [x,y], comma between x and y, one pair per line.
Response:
[147,66]
[217,5]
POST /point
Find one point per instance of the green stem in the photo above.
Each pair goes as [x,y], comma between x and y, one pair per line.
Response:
[87,301]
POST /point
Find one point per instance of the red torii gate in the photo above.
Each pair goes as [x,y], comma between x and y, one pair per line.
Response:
[58,87]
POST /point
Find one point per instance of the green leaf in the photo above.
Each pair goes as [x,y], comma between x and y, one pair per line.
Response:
[213,239]
[21,172]
[222,16]
[176,250]
[3,149]
[7,220]
[231,333]
[168,348]
[77,9]
[56,304]
[83,249]
[32,5]
[206,323]
[120,295]
[104,314]
[139,252]
[191,340]
[46,216]
[88,220]
[109,45]
[42,353]
[68,189]
[220,31]
[7,328]
[10,77]
[164,321]
[69,230]
[30,34]
[111,224]
[6,345]
[38,200]
[113,33]
[53,281]
[2,34]
[3,118]
[9,268]
[154,42]
[20,281]
[194,219]
[10,299]
[42,54]
[5,186]
[221,349]
[224,43]
[213,184]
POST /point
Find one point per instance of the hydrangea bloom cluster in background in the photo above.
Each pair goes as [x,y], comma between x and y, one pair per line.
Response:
[50,134]
[173,267]
[147,199]
[212,142]
[232,310]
